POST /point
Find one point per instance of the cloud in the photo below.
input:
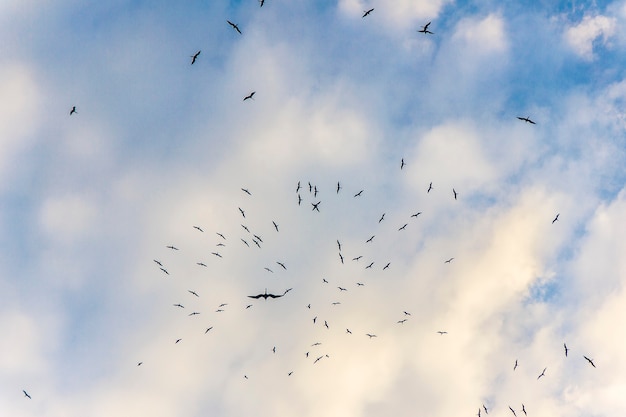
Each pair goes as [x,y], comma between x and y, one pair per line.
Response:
[589,32]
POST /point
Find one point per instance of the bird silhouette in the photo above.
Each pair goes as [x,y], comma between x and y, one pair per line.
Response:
[234,26]
[566,349]
[316,206]
[265,295]
[543,373]
[26,394]
[249,96]
[430,187]
[245,190]
[515,366]
[556,218]
[424,29]
[455,193]
[367,12]
[590,361]
[198,228]
[73,110]
[526,119]
[194,57]
[359,193]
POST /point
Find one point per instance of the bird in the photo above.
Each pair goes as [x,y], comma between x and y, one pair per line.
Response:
[289,374]
[566,349]
[342,289]
[370,239]
[359,193]
[324,280]
[275,225]
[268,270]
[478,414]
[216,254]
[336,303]
[177,340]
[369,266]
[424,29]
[556,218]
[249,96]
[326,324]
[442,332]
[448,261]
[248,306]
[242,212]
[403,226]
[26,394]
[515,366]
[526,119]
[381,218]
[370,335]
[234,26]
[316,206]
[172,247]
[139,363]
[245,228]
[430,187]
[590,361]
[193,314]
[198,228]
[367,12]
[485,408]
[281,264]
[402,163]
[316,360]
[201,264]
[455,193]
[265,295]
[386,266]
[406,313]
[207,330]
[157,262]
[220,235]
[360,284]
[341,257]
[274,349]
[338,187]
[73,110]
[261,3]
[513,411]
[357,258]
[416,214]
[194,57]
[258,238]
[164,270]
[524,410]
[245,190]
[348,331]
[402,321]
[193,293]
[543,373]
[339,245]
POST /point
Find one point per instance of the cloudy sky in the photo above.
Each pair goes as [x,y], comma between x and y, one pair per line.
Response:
[343,105]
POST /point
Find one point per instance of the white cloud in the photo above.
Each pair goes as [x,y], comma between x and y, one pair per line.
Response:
[581,37]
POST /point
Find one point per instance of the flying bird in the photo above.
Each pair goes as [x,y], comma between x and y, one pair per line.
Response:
[590,361]
[370,335]
[430,187]
[172,247]
[341,257]
[357,258]
[177,340]
[275,225]
[265,295]
[234,26]
[386,266]
[513,411]
[198,228]
[179,305]
[220,235]
[402,163]
[164,270]
[207,330]
[403,227]
[543,373]
[455,193]
[249,96]
[216,254]
[316,206]
[338,187]
[448,261]
[515,366]
[26,394]
[359,193]
[367,12]
[369,266]
[566,349]
[442,332]
[524,410]
[194,293]
[194,313]
[342,289]
[242,212]
[72,111]
[201,264]
[370,239]
[416,214]
[194,57]
[424,29]
[281,264]
[526,119]
[245,190]
[157,262]
[556,218]
[381,218]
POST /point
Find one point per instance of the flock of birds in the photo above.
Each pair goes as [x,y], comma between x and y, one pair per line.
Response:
[249,237]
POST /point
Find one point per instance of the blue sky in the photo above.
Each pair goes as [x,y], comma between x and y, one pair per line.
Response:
[88,201]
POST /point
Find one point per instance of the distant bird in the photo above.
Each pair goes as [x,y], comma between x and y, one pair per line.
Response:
[386,266]
[281,264]
[245,190]
[314,319]
[455,193]
[367,12]
[275,225]
[198,228]
[402,163]
[524,410]
[338,187]
[172,247]
[139,363]
[234,26]
[193,293]
[543,373]
[348,331]
[381,218]
[566,349]
[370,239]
[315,191]
[326,324]
[274,349]
[341,257]
[157,262]
[416,214]
[370,335]
[194,57]
[515,366]
[308,306]
[360,284]
[342,289]
[268,270]
[485,408]
[406,313]
[478,414]
[298,187]
[402,321]
[220,235]
[216,254]
[242,212]
[336,303]
[590,361]
[316,360]
[248,306]
[316,206]
[177,340]
[442,332]
[513,411]
[261,3]
[245,228]
[249,96]
[222,305]
[424,29]
[164,270]
[179,305]
[207,330]
[359,193]
[403,227]
[258,238]
[26,394]
[369,266]
[526,119]
[316,344]
[201,264]
[324,280]
[265,295]
[556,218]
[339,245]
[448,261]
[357,258]
[193,314]
[73,110]
[430,187]
[289,374]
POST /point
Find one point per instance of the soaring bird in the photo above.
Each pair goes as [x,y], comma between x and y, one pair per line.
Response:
[416,214]
[245,190]
[72,111]
[249,96]
[221,235]
[357,258]
[201,264]
[316,206]
[367,12]
[194,57]
[158,263]
[193,292]
[515,366]
[448,261]
[402,163]
[381,218]
[198,228]
[194,313]
[370,335]
[179,305]
[164,270]
[242,212]
[172,247]
[281,264]
[266,295]
[386,266]
[424,29]
[543,373]
[442,332]
[275,225]
[455,193]
[359,193]
[339,245]
[342,289]
[177,340]
[341,257]
[430,187]
[369,266]
[566,349]
[338,187]
[526,119]
[234,26]
[513,411]
[590,361]
[370,239]
[524,410]
[298,187]
[403,227]
[26,394]
[402,321]
[556,218]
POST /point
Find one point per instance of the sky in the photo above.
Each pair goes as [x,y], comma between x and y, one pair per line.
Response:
[440,253]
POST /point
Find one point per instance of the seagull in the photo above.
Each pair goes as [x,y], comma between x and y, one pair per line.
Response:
[543,373]
[338,187]
[425,29]
[341,257]
[339,245]
[403,227]
[416,214]
[369,266]
[234,26]
[193,314]
[164,270]
[359,193]
[268,270]
[485,408]
[261,3]
[524,410]
[324,280]
[194,57]
[298,187]
[207,330]
[220,235]
[357,258]
[281,264]
[245,190]
[249,96]
[179,305]
[316,360]
[406,313]
[177,340]
[367,12]
[556,218]
[326,324]
[442,332]
[360,284]
[196,227]
[201,264]
[216,254]
[566,349]
[73,110]
[242,212]
[448,261]
[245,228]
[157,262]
[26,394]
[370,239]
[139,363]
[342,289]
[299,199]
[348,331]
[194,293]
[266,295]
[526,119]
[590,361]
[430,187]
[386,266]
